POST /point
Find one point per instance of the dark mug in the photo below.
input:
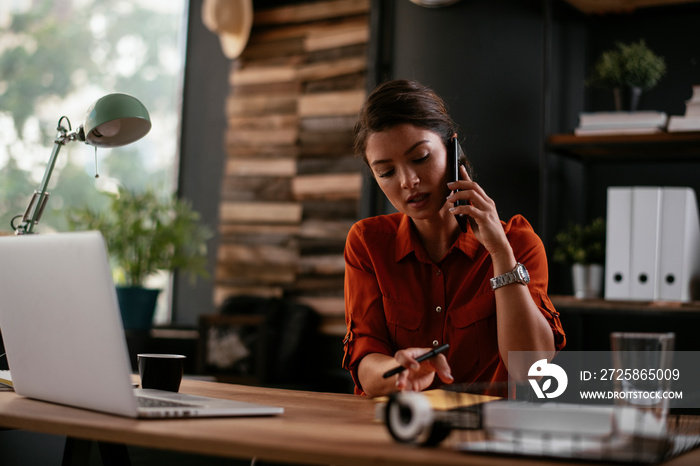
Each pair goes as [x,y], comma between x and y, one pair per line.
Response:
[161,371]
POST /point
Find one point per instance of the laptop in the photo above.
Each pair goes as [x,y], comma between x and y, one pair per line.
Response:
[64,337]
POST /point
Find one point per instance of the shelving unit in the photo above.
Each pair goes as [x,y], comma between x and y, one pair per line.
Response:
[659,146]
[589,322]
[576,170]
[659,149]
[619,6]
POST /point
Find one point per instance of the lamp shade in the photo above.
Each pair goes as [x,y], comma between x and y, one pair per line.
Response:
[116,120]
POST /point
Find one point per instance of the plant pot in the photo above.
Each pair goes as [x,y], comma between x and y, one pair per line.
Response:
[627,99]
[137,306]
[588,280]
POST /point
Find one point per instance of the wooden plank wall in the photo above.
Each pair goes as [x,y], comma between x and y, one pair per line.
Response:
[291,184]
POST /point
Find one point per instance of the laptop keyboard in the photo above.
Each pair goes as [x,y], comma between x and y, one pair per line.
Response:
[145,402]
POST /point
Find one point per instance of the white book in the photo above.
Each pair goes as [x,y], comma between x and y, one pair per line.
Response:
[692,109]
[649,118]
[696,94]
[682,123]
[603,131]
[618,434]
[509,416]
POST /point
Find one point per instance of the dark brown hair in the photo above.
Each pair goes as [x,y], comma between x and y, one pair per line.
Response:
[402,101]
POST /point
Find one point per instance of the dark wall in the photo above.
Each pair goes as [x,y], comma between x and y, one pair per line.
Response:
[485,59]
[201,152]
[670,32]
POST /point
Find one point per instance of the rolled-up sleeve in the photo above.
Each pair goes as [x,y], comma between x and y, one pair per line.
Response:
[364,313]
[530,251]
[550,313]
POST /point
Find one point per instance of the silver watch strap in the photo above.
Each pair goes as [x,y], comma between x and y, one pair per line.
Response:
[502,280]
[511,277]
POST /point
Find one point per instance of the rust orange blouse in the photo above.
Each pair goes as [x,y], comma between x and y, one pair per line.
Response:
[396,297]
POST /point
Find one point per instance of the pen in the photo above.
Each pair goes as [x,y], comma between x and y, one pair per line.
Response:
[421,358]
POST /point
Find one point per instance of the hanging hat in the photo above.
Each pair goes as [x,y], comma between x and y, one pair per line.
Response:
[231,20]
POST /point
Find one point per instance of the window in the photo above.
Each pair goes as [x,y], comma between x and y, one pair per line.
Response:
[57,58]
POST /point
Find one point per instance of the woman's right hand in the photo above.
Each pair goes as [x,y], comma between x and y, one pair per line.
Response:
[420,375]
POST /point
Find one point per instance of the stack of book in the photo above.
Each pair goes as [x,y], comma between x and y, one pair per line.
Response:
[602,123]
[691,120]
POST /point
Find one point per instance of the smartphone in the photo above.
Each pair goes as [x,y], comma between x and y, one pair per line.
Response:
[453,151]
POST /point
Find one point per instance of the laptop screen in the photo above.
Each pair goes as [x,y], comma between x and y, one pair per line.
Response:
[61,324]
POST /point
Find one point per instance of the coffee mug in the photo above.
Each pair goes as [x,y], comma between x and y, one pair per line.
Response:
[161,371]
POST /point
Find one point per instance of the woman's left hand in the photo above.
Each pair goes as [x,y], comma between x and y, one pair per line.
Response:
[481,211]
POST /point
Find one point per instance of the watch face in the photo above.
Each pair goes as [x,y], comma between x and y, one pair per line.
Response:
[523,273]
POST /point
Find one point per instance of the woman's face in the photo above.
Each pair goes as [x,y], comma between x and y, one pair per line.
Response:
[410,166]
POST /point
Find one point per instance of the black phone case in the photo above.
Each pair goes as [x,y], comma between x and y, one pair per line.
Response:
[453,166]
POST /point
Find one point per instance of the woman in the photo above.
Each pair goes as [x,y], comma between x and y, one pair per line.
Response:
[414,280]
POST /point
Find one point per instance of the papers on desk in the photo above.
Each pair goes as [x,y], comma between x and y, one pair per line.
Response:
[440,400]
[5,379]
[487,425]
[561,430]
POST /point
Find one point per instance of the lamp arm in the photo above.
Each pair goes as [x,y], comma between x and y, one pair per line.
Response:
[38,201]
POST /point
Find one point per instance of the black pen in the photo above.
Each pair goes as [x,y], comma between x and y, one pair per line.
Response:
[421,358]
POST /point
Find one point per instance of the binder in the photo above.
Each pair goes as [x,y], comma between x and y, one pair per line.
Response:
[644,242]
[617,240]
[652,244]
[679,249]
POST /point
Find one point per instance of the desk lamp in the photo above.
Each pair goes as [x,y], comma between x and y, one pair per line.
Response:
[112,121]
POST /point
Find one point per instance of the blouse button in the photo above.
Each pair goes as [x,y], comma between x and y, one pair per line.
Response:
[439,272]
[436,343]
[438,309]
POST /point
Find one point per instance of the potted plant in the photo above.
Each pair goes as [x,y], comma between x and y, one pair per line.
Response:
[583,247]
[146,234]
[633,67]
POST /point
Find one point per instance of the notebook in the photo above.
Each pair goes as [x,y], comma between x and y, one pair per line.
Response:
[5,379]
[63,333]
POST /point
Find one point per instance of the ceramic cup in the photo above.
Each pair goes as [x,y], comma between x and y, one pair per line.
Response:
[161,371]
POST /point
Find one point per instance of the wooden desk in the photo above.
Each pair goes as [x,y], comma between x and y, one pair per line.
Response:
[316,428]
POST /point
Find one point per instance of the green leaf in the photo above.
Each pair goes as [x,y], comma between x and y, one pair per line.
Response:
[579,244]
[145,234]
[628,65]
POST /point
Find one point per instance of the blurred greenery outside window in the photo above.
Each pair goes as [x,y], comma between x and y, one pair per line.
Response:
[56,58]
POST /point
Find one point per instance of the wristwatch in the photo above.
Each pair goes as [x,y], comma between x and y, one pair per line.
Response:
[518,275]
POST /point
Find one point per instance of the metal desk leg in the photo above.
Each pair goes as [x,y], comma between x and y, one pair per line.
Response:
[114,454]
[77,453]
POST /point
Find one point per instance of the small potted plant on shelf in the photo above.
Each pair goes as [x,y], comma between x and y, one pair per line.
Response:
[629,67]
[146,234]
[583,247]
